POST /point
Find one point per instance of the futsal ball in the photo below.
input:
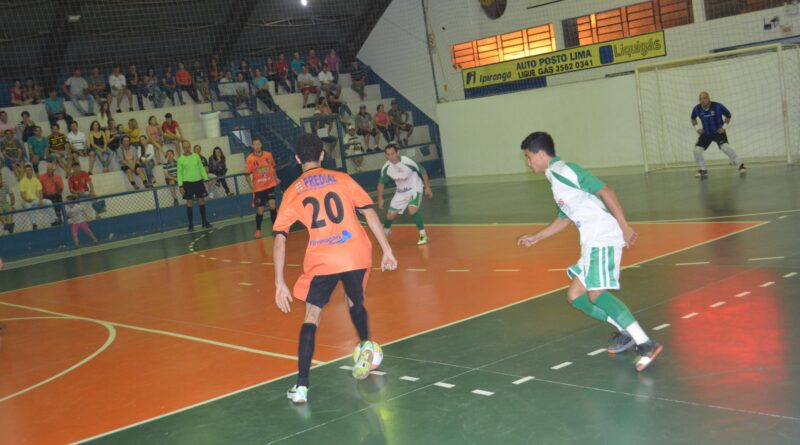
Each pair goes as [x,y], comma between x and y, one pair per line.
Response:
[377,356]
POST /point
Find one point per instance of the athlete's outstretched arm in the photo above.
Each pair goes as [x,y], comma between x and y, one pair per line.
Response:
[388,262]
[609,197]
[428,191]
[556,226]
[380,196]
[283,296]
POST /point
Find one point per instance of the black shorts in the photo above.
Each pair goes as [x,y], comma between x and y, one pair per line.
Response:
[705,140]
[318,289]
[192,190]
[262,198]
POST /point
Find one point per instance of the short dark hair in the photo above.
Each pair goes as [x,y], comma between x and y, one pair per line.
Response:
[256,138]
[392,145]
[538,141]
[168,116]
[308,148]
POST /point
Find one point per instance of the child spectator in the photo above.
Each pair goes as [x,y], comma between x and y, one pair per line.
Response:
[78,215]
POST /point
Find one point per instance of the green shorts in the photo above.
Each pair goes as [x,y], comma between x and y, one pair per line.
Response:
[598,268]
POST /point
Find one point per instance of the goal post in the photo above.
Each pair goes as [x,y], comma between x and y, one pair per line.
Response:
[760,85]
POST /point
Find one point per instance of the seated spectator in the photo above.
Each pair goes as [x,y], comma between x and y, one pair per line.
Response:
[119,88]
[358,80]
[334,64]
[105,110]
[5,124]
[354,147]
[185,83]
[152,90]
[170,169]
[12,152]
[365,127]
[305,81]
[135,85]
[98,141]
[147,159]
[130,162]
[172,131]
[278,78]
[215,74]
[77,89]
[296,66]
[52,189]
[6,205]
[54,106]
[327,83]
[80,183]
[79,217]
[284,75]
[133,129]
[170,87]
[115,134]
[33,91]
[399,122]
[243,95]
[26,126]
[245,71]
[18,94]
[218,167]
[340,107]
[37,148]
[314,66]
[262,90]
[97,87]
[59,151]
[382,121]
[155,136]
[201,80]
[31,192]
[80,145]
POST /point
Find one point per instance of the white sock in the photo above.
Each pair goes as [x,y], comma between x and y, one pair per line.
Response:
[422,232]
[637,333]
[614,323]
[699,157]
[731,154]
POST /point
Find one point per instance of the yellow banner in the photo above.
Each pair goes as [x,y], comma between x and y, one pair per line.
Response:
[629,49]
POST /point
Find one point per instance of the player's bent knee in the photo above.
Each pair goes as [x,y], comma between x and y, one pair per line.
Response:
[313,314]
[594,294]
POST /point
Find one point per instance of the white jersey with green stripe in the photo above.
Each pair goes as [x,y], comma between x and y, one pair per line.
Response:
[575,192]
[406,174]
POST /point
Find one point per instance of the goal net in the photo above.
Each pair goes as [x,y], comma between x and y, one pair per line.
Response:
[759,86]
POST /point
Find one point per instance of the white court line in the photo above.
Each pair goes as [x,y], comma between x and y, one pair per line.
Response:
[743,294]
[481,392]
[227,261]
[522,380]
[346,368]
[377,372]
[112,334]
[202,255]
[556,270]
[661,326]
[444,385]
[417,270]
[409,378]
[596,351]
[245,262]
[267,264]
[768,284]
[697,263]
[717,304]
[458,270]
[783,217]
[790,275]
[160,332]
[767,258]
[687,316]
[245,283]
[562,365]
[212,258]
[293,265]
[506,270]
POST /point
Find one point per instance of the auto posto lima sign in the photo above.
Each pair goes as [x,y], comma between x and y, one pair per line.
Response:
[518,74]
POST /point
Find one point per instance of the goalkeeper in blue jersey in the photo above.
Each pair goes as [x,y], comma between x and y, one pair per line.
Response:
[714,117]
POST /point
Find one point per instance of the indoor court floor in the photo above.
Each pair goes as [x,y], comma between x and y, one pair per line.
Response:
[178,340]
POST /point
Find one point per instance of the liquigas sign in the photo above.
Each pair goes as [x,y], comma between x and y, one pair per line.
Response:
[510,75]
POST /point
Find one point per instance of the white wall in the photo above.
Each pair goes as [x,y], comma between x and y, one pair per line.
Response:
[594,123]
[397,50]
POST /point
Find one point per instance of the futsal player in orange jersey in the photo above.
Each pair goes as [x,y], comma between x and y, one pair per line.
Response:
[326,202]
[261,175]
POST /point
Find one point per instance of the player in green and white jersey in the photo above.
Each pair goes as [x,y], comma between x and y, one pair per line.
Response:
[411,180]
[595,210]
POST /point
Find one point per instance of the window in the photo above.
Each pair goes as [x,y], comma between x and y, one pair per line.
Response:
[509,46]
[724,8]
[631,20]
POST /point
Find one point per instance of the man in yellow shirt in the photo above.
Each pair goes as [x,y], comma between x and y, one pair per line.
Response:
[30,190]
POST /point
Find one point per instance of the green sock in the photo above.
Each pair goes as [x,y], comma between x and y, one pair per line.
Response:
[387,223]
[418,221]
[585,305]
[615,309]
